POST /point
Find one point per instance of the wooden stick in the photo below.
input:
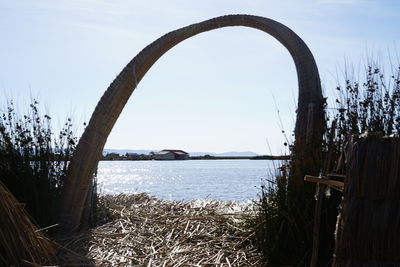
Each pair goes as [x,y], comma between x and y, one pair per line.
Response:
[319,193]
[315,179]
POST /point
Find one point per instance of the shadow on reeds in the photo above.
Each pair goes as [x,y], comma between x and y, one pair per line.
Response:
[73,251]
[21,242]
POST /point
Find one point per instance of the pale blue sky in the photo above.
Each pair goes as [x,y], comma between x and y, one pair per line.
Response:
[210,93]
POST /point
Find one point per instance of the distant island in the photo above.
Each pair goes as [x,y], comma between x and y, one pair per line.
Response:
[174,154]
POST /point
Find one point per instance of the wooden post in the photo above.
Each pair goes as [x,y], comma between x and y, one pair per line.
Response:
[319,194]
[368,228]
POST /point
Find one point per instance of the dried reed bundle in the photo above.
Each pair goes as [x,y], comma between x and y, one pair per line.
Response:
[145,231]
[369,224]
[21,242]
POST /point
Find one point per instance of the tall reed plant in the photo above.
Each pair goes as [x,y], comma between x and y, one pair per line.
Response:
[34,160]
[283,225]
[372,105]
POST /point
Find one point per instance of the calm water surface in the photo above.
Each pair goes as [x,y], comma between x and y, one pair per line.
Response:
[237,180]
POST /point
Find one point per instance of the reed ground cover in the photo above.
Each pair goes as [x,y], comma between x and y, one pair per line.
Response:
[140,230]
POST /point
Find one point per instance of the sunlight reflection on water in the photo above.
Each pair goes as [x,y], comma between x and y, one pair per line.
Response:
[236,180]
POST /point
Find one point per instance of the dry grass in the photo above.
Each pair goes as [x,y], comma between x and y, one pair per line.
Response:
[21,242]
[145,231]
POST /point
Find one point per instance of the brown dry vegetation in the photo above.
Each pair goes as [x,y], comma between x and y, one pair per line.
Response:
[21,242]
[144,231]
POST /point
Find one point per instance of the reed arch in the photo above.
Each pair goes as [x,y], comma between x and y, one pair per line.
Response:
[309,121]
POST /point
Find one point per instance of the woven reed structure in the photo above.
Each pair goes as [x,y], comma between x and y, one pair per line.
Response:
[21,242]
[308,130]
[368,229]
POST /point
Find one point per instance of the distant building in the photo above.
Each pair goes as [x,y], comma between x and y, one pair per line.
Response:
[170,154]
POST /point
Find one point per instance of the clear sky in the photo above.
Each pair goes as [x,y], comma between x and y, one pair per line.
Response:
[213,92]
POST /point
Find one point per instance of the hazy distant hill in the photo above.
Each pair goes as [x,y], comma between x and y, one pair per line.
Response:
[193,154]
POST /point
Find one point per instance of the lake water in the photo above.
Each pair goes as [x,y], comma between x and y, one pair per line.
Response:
[237,180]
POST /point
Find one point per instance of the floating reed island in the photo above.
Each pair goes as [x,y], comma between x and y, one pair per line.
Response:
[140,230]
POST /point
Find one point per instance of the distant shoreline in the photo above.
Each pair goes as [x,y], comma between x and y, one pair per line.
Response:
[265,157]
